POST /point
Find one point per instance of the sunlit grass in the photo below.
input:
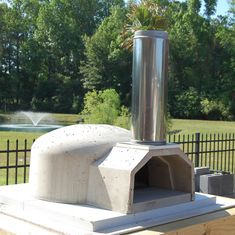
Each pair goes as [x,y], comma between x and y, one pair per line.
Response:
[13,137]
[201,126]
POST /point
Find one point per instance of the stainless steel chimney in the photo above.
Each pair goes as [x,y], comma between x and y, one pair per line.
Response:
[149,86]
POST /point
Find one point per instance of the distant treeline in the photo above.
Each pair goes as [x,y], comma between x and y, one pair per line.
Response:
[52,52]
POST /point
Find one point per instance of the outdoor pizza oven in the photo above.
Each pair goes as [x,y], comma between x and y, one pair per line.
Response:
[103,165]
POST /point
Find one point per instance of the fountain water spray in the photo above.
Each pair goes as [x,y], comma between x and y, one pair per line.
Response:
[34,117]
[30,122]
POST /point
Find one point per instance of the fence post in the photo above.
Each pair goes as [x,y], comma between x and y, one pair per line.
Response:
[197,149]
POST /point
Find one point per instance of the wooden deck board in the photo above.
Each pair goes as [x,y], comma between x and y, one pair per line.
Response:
[216,223]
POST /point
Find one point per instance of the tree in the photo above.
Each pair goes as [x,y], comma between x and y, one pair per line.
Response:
[3,91]
[106,64]
[41,41]
[18,25]
[146,15]
[107,5]
[194,6]
[2,27]
[14,34]
[225,65]
[61,27]
[53,52]
[200,55]
[210,8]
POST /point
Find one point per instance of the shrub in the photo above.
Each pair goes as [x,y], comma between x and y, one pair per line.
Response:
[101,107]
[187,104]
[123,120]
[214,110]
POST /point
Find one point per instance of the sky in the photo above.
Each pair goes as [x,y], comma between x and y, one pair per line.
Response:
[222,6]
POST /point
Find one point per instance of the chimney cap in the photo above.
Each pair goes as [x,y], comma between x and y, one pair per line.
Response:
[151,33]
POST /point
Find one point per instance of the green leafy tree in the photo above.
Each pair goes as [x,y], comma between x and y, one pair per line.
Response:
[107,64]
[196,53]
[107,5]
[187,104]
[14,35]
[210,7]
[2,27]
[225,64]
[19,18]
[194,6]
[61,26]
[3,75]
[53,52]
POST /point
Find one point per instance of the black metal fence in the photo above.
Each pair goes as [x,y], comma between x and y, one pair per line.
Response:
[216,151]
[15,162]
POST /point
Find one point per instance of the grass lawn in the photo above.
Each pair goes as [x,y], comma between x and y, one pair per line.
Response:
[201,126]
[185,127]
[20,136]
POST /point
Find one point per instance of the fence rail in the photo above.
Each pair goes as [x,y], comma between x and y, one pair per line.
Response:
[216,151]
[15,162]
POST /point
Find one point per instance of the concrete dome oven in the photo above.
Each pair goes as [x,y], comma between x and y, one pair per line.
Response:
[82,164]
[106,166]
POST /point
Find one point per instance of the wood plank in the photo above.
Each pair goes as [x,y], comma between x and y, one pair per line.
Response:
[216,223]
[3,232]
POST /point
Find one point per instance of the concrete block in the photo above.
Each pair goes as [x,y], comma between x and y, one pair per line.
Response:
[211,184]
[198,171]
[227,184]
[217,184]
[202,170]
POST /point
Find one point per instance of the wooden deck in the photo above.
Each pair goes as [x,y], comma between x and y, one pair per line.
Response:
[20,214]
[216,223]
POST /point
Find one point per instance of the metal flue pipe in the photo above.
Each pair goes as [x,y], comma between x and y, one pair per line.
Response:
[149,86]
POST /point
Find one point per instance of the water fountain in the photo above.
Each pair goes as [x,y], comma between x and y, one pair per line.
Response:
[27,121]
[34,117]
